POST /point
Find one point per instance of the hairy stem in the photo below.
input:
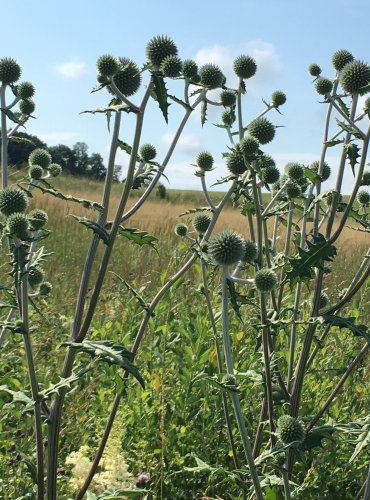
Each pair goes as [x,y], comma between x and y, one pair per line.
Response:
[4,141]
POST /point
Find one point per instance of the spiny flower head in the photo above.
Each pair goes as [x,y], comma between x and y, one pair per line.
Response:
[245,67]
[294,170]
[37,218]
[293,189]
[55,169]
[25,90]
[249,146]
[147,152]
[235,163]
[189,68]
[40,157]
[205,161]
[18,225]
[181,229]
[10,71]
[45,288]
[367,106]
[262,130]
[35,276]
[201,223]
[250,251]
[323,85]
[326,170]
[363,197]
[107,65]
[366,178]
[211,76]
[128,77]
[27,106]
[12,200]
[278,98]
[341,58]
[290,429]
[171,66]
[228,98]
[265,280]
[354,77]
[265,161]
[160,47]
[314,69]
[270,174]
[35,172]
[226,248]
[228,117]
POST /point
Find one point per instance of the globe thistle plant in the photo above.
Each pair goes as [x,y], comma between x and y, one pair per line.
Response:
[27,106]
[147,152]
[294,171]
[265,280]
[270,174]
[35,172]
[18,225]
[226,248]
[189,69]
[314,69]
[363,197]
[228,98]
[341,58]
[171,66]
[25,90]
[40,157]
[107,66]
[290,430]
[181,229]
[249,146]
[10,71]
[235,163]
[323,85]
[228,118]
[37,219]
[278,98]
[262,130]
[35,276]
[326,170]
[201,223]
[366,178]
[355,77]
[250,251]
[160,47]
[12,201]
[245,67]
[211,76]
[54,169]
[128,77]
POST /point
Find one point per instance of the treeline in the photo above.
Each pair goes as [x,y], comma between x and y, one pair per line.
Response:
[74,161]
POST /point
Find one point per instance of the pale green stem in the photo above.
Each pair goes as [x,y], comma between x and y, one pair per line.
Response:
[4,141]
[367,487]
[206,193]
[239,110]
[233,394]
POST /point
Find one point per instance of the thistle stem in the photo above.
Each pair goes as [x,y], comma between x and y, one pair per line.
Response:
[4,140]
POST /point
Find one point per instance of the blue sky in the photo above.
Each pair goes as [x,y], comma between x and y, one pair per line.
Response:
[57,45]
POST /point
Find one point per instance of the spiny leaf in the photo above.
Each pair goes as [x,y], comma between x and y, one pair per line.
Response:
[12,116]
[111,353]
[160,94]
[179,101]
[195,210]
[23,140]
[18,396]
[349,129]
[39,256]
[203,113]
[357,330]
[136,294]
[50,190]
[94,226]
[124,146]
[138,236]
[314,438]
[342,105]
[108,109]
[352,152]
[63,382]
[334,142]
[363,442]
[301,267]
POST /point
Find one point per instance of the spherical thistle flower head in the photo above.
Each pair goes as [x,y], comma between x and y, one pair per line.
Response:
[326,170]
[323,85]
[12,201]
[249,146]
[201,223]
[35,276]
[40,157]
[275,188]
[278,98]
[228,118]
[45,288]
[54,169]
[330,196]
[324,300]
[128,77]
[205,161]
[250,251]
[290,429]
[293,189]
[235,163]
[367,106]
[294,170]
[265,280]
[354,76]
[341,58]
[211,76]
[35,172]
[314,69]
[25,90]
[37,218]
[226,248]
[107,66]
[18,225]
[265,161]
[270,175]
[366,178]
[181,229]
[147,152]
[228,98]
[262,130]
[160,47]
[10,71]
[303,184]
[363,197]
[189,69]
[27,106]
[245,67]
[171,66]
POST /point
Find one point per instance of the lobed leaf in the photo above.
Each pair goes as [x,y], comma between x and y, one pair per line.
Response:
[138,236]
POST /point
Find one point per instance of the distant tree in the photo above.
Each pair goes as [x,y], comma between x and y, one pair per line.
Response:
[63,155]
[117,173]
[96,168]
[20,146]
[161,191]
[81,159]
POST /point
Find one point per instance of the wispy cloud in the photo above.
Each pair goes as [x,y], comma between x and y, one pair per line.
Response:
[53,138]
[188,143]
[72,69]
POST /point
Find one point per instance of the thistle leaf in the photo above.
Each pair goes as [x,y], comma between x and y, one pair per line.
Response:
[203,113]
[160,94]
[357,330]
[136,294]
[352,152]
[195,210]
[139,237]
[94,226]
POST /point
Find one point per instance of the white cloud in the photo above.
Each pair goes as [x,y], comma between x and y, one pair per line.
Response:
[268,61]
[53,138]
[72,69]
[188,143]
